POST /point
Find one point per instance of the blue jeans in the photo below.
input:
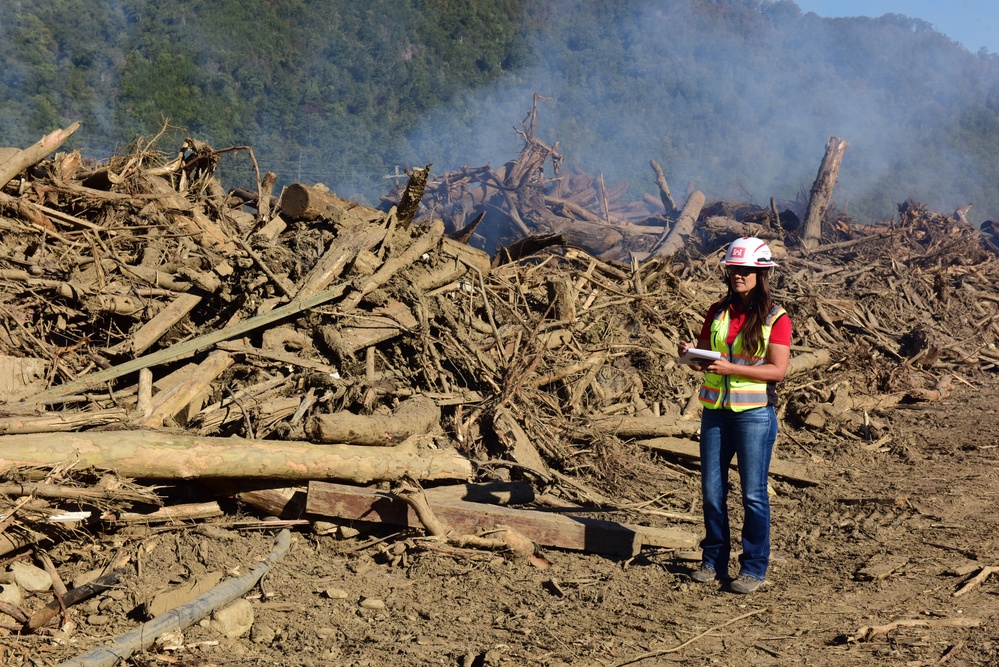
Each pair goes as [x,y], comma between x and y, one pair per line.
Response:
[749,436]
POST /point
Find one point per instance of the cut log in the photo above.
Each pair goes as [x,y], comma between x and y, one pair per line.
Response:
[162,455]
[300,202]
[821,193]
[416,416]
[544,528]
[690,450]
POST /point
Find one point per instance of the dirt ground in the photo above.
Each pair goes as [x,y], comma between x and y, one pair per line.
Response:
[891,533]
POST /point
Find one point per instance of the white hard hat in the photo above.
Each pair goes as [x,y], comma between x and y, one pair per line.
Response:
[748,251]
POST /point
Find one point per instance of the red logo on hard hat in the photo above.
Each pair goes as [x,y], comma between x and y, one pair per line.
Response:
[738,252]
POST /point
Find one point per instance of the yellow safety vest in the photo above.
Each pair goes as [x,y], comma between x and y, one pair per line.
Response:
[733,391]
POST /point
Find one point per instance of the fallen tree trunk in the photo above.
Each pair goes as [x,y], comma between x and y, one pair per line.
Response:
[162,455]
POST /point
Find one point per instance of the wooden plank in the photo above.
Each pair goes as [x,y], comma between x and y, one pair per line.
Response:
[545,528]
[691,450]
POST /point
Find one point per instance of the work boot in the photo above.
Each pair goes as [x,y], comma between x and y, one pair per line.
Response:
[746,584]
[703,574]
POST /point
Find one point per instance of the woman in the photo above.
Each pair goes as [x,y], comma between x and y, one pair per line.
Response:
[753,336]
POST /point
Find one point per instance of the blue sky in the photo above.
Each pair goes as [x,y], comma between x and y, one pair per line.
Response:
[973,23]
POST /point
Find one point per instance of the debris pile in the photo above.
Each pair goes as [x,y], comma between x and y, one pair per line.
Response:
[300,353]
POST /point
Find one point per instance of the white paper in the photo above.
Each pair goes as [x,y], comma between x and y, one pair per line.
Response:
[698,356]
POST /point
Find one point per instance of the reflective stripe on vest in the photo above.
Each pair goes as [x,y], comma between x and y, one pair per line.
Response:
[733,391]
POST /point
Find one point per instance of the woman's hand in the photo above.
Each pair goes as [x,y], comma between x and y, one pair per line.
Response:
[724,367]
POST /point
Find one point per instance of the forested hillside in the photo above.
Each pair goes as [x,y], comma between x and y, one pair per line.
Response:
[737,97]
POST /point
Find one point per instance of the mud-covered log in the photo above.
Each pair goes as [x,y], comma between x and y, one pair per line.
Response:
[645,427]
[163,455]
[416,416]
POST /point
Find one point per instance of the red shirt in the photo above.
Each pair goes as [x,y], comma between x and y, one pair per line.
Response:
[780,333]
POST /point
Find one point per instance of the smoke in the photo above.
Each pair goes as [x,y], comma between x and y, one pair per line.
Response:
[736,99]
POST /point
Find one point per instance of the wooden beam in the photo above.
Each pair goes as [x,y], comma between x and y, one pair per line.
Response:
[544,528]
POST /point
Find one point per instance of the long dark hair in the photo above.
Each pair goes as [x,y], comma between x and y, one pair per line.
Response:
[758,309]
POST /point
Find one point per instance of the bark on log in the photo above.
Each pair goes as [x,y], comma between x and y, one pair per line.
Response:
[822,189]
[683,228]
[162,455]
[410,202]
[74,596]
[57,422]
[459,260]
[416,416]
[168,403]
